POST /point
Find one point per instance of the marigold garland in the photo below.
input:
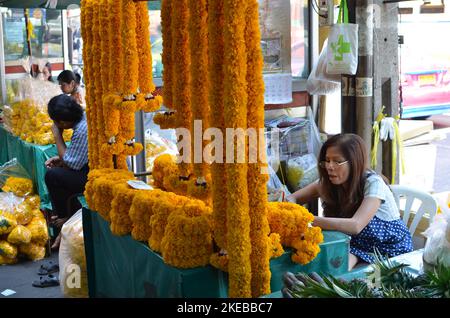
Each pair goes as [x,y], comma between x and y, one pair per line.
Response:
[142,208]
[166,120]
[290,220]
[167,53]
[120,205]
[235,115]
[200,191]
[259,229]
[131,59]
[187,240]
[216,73]
[307,247]
[198,39]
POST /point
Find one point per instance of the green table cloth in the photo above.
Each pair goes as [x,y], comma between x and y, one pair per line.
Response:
[119,266]
[32,157]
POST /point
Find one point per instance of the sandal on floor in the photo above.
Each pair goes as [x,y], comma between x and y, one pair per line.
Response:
[48,268]
[46,281]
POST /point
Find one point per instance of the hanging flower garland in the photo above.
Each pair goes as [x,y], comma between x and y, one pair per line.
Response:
[167,53]
[166,120]
[181,71]
[120,205]
[216,73]
[257,180]
[235,115]
[198,40]
[146,100]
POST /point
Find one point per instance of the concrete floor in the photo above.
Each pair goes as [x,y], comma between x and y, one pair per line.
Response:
[20,276]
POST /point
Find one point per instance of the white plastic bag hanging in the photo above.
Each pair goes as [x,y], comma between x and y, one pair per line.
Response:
[319,81]
[342,51]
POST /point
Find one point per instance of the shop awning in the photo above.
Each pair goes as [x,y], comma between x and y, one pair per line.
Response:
[60,4]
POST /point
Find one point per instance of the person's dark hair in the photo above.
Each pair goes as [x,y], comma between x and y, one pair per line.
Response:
[67,76]
[338,202]
[64,107]
[78,78]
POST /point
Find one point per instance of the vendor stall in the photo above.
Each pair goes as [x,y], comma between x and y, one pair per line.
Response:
[111,273]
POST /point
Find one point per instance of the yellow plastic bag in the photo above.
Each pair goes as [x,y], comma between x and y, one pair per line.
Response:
[7,223]
[8,250]
[19,235]
[39,231]
[23,213]
[7,261]
[72,258]
[32,251]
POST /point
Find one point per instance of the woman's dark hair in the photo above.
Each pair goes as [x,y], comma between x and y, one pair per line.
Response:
[338,202]
[67,76]
[64,107]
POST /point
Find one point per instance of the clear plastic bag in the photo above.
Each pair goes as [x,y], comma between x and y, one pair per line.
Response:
[15,179]
[72,259]
[276,190]
[156,145]
[319,81]
[437,247]
[301,171]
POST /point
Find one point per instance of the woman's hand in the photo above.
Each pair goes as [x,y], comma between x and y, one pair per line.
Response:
[54,162]
[290,198]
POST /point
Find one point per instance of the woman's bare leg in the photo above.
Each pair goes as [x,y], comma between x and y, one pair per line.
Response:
[352,261]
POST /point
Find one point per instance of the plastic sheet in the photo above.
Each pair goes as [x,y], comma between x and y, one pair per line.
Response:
[437,247]
[14,178]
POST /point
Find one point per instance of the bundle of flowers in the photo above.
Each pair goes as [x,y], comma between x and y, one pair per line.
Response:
[18,186]
[161,211]
[187,240]
[142,208]
[307,246]
[120,206]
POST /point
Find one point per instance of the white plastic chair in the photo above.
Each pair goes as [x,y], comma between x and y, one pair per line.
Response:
[427,204]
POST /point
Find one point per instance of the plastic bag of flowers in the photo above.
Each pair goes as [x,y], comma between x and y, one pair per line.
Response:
[15,179]
[72,259]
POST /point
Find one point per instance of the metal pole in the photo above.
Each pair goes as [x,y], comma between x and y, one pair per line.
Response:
[140,137]
[364,73]
[2,62]
[348,102]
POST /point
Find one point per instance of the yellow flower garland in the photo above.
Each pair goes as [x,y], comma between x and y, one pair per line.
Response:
[181,71]
[307,247]
[257,181]
[290,220]
[235,115]
[130,86]
[166,120]
[198,40]
[120,205]
[167,53]
[187,240]
[216,71]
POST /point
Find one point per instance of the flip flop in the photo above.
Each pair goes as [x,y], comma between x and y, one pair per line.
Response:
[48,268]
[47,281]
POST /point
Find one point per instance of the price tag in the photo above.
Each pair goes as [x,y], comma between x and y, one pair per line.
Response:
[139,185]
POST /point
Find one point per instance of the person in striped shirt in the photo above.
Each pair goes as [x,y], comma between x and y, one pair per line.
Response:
[67,172]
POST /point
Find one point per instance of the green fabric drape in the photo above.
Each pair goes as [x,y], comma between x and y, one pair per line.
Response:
[119,266]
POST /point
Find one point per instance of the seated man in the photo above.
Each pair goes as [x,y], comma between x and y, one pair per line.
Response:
[67,172]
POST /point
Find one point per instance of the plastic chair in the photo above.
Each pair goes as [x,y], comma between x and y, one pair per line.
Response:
[428,204]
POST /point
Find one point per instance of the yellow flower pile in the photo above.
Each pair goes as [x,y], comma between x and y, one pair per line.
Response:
[31,123]
[18,186]
[28,239]
[187,240]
